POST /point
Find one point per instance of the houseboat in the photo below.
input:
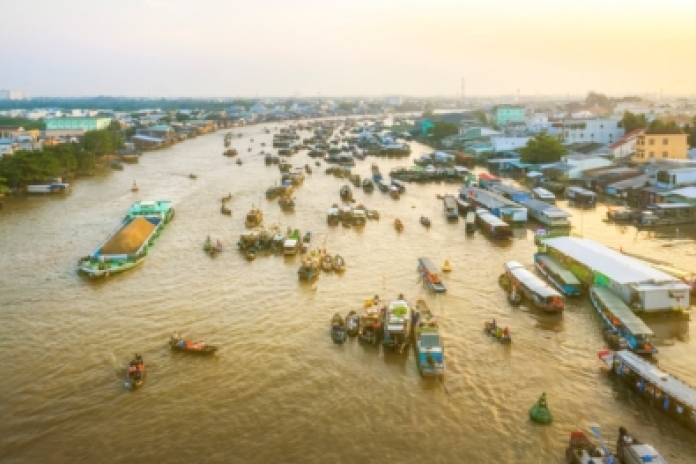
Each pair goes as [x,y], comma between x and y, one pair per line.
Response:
[432,276]
[667,214]
[470,222]
[309,268]
[55,186]
[581,197]
[643,288]
[397,324]
[507,210]
[628,329]
[546,213]
[487,180]
[532,288]
[450,207]
[129,245]
[463,206]
[511,193]
[427,342]
[494,226]
[661,389]
[544,195]
[560,277]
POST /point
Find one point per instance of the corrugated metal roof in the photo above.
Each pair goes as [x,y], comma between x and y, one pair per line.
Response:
[617,266]
[622,312]
[531,281]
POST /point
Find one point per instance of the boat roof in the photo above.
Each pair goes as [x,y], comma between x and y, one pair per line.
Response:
[426,263]
[622,312]
[672,206]
[509,189]
[493,220]
[667,382]
[567,276]
[531,281]
[543,192]
[398,310]
[547,209]
[581,190]
[617,266]
[488,198]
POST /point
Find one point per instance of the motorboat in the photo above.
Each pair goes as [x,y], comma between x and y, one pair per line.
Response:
[189,346]
[327,263]
[428,342]
[397,324]
[370,328]
[398,225]
[339,264]
[352,323]
[500,334]
[135,375]
[338,329]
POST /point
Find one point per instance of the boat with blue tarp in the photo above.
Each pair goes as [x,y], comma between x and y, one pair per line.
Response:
[560,277]
[427,342]
[626,328]
[432,276]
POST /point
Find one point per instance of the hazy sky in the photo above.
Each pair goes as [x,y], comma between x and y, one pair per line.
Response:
[347,47]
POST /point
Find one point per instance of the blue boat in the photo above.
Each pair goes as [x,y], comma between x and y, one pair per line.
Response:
[430,354]
[559,276]
[625,328]
[431,275]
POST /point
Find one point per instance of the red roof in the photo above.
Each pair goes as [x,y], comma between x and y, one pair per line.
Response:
[626,138]
[486,176]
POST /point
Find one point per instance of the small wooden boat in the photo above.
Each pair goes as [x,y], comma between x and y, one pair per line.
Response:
[134,188]
[338,329]
[346,193]
[307,237]
[339,264]
[226,199]
[193,176]
[229,153]
[372,214]
[327,263]
[352,323]
[497,332]
[225,210]
[581,451]
[188,346]
[398,225]
[425,221]
[135,375]
[394,192]
[239,161]
[446,267]
[371,321]
[250,253]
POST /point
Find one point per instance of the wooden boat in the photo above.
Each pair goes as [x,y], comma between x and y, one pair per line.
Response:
[226,199]
[394,192]
[516,277]
[581,451]
[346,193]
[309,268]
[559,276]
[230,153]
[254,218]
[193,176]
[352,323]
[398,225]
[286,203]
[317,163]
[308,170]
[211,248]
[188,346]
[659,388]
[470,222]
[250,253]
[431,275]
[372,214]
[427,342]
[338,329]
[371,322]
[367,185]
[225,210]
[630,450]
[307,237]
[425,221]
[135,374]
[327,263]
[397,324]
[339,265]
[496,332]
[134,188]
[239,161]
[117,166]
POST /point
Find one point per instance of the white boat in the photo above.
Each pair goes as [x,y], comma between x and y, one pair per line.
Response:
[397,324]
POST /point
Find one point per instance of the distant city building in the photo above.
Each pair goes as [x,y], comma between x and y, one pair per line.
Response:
[395,100]
[507,113]
[651,147]
[592,130]
[72,123]
[13,95]
[626,145]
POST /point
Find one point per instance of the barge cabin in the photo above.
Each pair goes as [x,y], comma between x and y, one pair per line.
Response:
[560,277]
[632,332]
[511,193]
[505,209]
[487,180]
[661,389]
[431,275]
[544,195]
[533,288]
[496,227]
[639,285]
[546,213]
[581,197]
[450,206]
[667,214]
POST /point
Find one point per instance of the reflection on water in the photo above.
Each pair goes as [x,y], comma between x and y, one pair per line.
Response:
[279,390]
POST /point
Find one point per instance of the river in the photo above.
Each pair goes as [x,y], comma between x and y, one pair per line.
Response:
[279,390]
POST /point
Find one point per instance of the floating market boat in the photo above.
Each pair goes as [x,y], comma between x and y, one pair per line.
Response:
[425,221]
[346,193]
[630,450]
[338,329]
[135,374]
[339,264]
[497,332]
[449,203]
[662,390]
[212,248]
[129,245]
[333,215]
[494,226]
[286,203]
[384,188]
[623,214]
[517,278]
[394,192]
[581,451]
[371,322]
[367,185]
[254,218]
[309,268]
[427,341]
[470,222]
[398,225]
[431,275]
[292,242]
[327,263]
[626,330]
[559,276]
[397,324]
[352,323]
[189,346]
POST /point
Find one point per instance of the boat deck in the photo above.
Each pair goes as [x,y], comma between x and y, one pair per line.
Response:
[567,276]
[623,313]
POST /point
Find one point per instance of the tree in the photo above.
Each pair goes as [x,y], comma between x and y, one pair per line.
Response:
[661,127]
[102,142]
[632,121]
[481,117]
[690,131]
[442,129]
[114,126]
[542,148]
[598,99]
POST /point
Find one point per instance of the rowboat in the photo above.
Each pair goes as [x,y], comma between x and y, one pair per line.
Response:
[398,225]
[338,329]
[425,221]
[135,374]
[496,332]
[352,323]
[188,346]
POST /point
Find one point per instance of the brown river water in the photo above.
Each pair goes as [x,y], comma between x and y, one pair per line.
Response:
[279,390]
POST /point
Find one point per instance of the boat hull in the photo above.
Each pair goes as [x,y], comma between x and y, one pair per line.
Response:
[94,270]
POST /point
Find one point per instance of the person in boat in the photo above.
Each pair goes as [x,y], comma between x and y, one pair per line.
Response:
[494,325]
[506,332]
[351,324]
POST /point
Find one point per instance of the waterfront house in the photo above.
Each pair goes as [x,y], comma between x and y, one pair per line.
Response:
[639,285]
[625,147]
[654,145]
[676,177]
[572,167]
[596,179]
[604,131]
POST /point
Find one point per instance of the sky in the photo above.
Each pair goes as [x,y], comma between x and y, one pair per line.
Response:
[309,48]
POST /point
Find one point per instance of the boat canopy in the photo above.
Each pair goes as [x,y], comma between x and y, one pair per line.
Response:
[565,275]
[669,384]
[430,340]
[530,281]
[428,265]
[623,313]
[491,219]
[545,208]
[398,312]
